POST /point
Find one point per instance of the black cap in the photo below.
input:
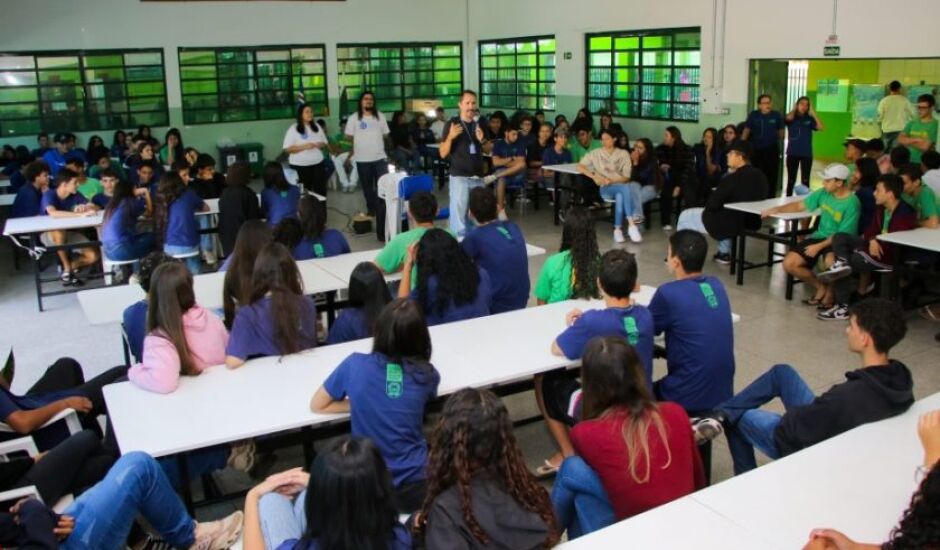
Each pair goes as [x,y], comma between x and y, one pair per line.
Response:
[876,144]
[857,143]
[61,137]
[742,147]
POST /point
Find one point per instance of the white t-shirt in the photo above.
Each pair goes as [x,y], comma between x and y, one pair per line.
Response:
[932,179]
[368,137]
[307,157]
[895,111]
[438,128]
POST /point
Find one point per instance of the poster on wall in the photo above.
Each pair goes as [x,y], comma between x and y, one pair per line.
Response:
[832,95]
[865,98]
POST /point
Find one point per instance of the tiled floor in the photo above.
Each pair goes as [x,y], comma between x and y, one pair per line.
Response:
[772,330]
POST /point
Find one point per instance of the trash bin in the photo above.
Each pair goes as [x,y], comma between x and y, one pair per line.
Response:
[254,154]
[229,155]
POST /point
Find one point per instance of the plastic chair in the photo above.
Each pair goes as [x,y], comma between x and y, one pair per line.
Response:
[68,415]
[408,186]
[28,446]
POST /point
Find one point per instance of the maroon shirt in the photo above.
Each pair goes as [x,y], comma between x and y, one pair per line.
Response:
[600,443]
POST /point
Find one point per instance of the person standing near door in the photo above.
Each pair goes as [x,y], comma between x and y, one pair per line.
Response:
[764,129]
[894,112]
[367,128]
[801,121]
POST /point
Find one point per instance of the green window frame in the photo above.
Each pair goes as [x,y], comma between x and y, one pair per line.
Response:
[85,90]
[237,84]
[518,73]
[648,74]
[397,72]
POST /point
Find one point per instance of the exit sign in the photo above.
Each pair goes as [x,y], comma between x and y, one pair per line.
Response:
[831,51]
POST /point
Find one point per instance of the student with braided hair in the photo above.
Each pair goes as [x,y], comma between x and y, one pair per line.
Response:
[480,494]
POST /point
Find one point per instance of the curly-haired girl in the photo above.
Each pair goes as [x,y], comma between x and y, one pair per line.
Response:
[572,272]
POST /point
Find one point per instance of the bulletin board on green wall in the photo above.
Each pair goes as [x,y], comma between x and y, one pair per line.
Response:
[832,95]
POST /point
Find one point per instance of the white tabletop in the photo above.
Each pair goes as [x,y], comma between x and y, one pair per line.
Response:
[569,168]
[683,523]
[859,482]
[927,239]
[41,224]
[756,207]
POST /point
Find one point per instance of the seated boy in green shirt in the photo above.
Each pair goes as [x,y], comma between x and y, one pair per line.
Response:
[920,196]
[839,211]
[88,187]
[422,209]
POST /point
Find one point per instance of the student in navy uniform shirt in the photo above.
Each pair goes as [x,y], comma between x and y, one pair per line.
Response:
[278,198]
[175,219]
[764,129]
[509,165]
[56,157]
[801,122]
[368,294]
[499,248]
[64,201]
[135,315]
[317,241]
[29,197]
[279,319]
[617,279]
[556,153]
[119,237]
[694,313]
[449,286]
[386,392]
[109,179]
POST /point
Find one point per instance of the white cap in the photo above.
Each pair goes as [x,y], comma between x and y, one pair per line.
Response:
[835,172]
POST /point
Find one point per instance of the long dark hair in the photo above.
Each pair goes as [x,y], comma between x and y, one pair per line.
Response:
[301,126]
[868,170]
[114,139]
[676,133]
[368,291]
[650,162]
[252,236]
[919,527]
[123,191]
[473,437]
[458,280]
[401,334]
[613,380]
[273,176]
[170,188]
[312,215]
[171,295]
[375,107]
[275,273]
[579,237]
[350,475]
[178,149]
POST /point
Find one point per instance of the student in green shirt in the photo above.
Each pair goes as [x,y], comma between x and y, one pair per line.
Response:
[88,187]
[584,142]
[920,135]
[839,211]
[572,272]
[920,196]
[422,209]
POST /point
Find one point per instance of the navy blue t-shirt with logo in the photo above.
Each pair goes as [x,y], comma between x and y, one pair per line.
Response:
[499,248]
[800,136]
[764,128]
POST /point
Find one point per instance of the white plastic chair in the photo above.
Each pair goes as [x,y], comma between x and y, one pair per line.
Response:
[27,445]
[68,415]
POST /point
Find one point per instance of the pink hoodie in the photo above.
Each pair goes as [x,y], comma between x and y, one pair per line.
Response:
[159,370]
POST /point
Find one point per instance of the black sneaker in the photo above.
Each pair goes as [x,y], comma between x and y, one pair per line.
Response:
[66,278]
[75,281]
[839,269]
[838,312]
[707,428]
[723,259]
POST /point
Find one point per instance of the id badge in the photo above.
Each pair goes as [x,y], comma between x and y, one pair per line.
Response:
[473,148]
[363,125]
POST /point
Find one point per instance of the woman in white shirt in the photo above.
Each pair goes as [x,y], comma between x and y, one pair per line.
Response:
[610,168]
[367,129]
[304,142]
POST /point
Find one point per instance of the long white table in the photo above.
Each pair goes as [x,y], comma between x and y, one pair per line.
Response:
[786,237]
[106,305]
[923,238]
[859,482]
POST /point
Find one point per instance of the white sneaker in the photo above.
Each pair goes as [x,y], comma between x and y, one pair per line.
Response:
[502,215]
[634,232]
[618,236]
[490,179]
[218,535]
[667,228]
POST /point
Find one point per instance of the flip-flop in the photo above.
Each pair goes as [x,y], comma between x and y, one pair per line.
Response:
[546,470]
[931,312]
[812,301]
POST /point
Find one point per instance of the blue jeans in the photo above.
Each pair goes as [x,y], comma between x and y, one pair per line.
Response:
[460,187]
[625,200]
[579,498]
[135,486]
[751,427]
[192,262]
[691,218]
[139,246]
[198,463]
[282,518]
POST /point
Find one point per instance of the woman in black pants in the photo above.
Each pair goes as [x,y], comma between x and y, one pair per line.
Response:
[368,128]
[62,386]
[69,468]
[677,160]
[304,142]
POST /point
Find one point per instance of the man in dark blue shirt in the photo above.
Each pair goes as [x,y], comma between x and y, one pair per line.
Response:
[509,156]
[55,157]
[764,129]
[694,313]
[29,197]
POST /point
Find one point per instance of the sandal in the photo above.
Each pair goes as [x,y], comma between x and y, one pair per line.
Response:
[814,301]
[547,469]
[931,312]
